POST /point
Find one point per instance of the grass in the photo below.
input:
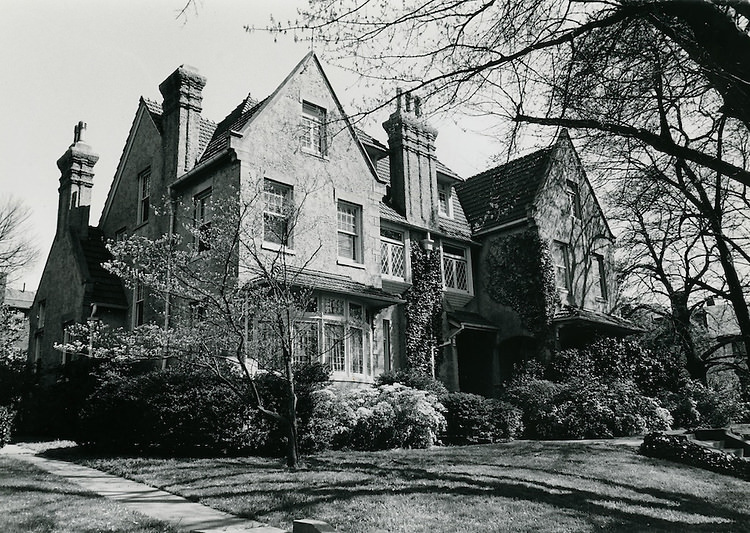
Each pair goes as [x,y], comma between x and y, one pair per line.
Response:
[33,501]
[518,486]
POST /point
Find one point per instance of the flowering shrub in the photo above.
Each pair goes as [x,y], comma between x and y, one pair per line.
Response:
[395,416]
[675,448]
[6,424]
[579,409]
[473,419]
[377,418]
[412,379]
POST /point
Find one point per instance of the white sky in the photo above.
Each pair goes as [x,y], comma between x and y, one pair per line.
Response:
[91,60]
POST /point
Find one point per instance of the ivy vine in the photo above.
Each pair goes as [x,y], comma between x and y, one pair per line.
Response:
[423,310]
[522,277]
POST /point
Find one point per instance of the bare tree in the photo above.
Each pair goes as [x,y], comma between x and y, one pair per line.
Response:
[16,247]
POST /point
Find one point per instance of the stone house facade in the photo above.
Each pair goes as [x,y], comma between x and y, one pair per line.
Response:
[366,204]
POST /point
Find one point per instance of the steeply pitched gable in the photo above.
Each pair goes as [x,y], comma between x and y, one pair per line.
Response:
[505,193]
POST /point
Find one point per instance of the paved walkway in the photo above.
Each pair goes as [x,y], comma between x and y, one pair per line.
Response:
[155,503]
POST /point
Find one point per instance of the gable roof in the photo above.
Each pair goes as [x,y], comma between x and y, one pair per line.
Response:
[19,299]
[505,193]
[106,287]
[234,121]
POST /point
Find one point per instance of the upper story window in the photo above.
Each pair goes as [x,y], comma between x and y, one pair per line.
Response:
[561,261]
[41,314]
[202,219]
[445,201]
[313,129]
[350,231]
[599,274]
[574,198]
[144,192]
[139,304]
[277,213]
[455,268]
[121,234]
[392,256]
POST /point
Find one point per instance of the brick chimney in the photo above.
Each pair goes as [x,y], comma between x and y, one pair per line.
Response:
[411,143]
[77,177]
[181,120]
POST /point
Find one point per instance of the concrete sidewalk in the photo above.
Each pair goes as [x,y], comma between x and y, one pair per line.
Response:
[155,503]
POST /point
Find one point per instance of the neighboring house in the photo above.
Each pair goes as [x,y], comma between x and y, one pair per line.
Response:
[365,205]
[722,330]
[18,302]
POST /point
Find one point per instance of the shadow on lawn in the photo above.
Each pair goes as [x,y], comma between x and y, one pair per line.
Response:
[617,512]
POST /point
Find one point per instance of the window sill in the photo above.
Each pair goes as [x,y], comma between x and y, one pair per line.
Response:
[273,247]
[314,153]
[350,263]
[457,291]
[387,277]
[140,225]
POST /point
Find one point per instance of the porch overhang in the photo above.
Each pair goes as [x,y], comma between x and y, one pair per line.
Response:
[609,325]
[469,320]
[337,284]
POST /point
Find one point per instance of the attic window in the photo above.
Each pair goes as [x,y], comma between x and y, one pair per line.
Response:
[144,191]
[574,196]
[313,129]
[445,205]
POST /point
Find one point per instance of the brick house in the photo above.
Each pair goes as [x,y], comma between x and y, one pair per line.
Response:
[365,205]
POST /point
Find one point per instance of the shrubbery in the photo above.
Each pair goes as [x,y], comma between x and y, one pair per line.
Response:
[473,419]
[586,408]
[7,415]
[679,449]
[168,411]
[374,418]
[696,405]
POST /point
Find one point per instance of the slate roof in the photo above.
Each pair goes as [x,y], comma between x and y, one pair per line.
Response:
[154,109]
[234,121]
[18,299]
[505,193]
[107,288]
[205,134]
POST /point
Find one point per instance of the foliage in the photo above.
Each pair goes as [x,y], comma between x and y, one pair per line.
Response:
[7,415]
[16,245]
[412,379]
[619,359]
[174,411]
[695,405]
[586,408]
[374,418]
[423,310]
[12,357]
[523,278]
[678,448]
[473,419]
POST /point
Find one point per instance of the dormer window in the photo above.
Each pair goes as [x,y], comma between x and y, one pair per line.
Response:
[445,203]
[313,129]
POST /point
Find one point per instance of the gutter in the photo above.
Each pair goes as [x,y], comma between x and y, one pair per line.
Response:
[506,225]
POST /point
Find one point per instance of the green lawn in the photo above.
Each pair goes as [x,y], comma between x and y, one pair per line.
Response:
[518,486]
[33,501]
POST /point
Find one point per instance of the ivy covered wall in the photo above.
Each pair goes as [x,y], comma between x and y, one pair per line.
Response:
[518,279]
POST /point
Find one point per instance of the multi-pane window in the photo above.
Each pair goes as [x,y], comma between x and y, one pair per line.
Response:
[561,263]
[350,231]
[139,305]
[392,256]
[144,192]
[600,278]
[574,197]
[202,219]
[277,213]
[356,350]
[444,201]
[313,128]
[67,355]
[306,342]
[455,268]
[333,306]
[334,346]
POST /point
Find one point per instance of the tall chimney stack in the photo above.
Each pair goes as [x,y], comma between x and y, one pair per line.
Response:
[76,180]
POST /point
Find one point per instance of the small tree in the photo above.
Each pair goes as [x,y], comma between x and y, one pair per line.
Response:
[226,304]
